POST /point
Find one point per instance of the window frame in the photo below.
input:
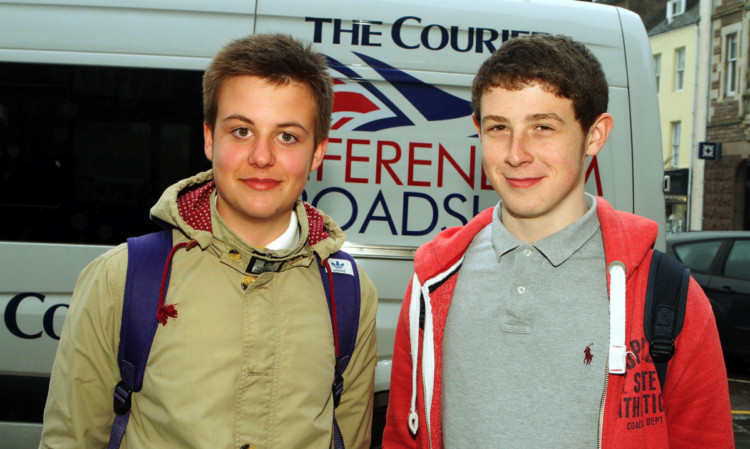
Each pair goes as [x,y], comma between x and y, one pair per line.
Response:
[731,56]
[679,69]
[674,9]
[676,128]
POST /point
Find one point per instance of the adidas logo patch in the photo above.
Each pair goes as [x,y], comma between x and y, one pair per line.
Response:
[341,266]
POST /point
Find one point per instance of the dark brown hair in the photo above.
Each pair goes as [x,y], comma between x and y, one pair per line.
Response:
[559,64]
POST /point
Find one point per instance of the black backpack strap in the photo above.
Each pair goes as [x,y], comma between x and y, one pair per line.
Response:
[664,313]
[147,256]
[341,284]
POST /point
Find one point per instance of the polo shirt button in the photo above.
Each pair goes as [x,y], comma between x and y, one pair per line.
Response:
[521,290]
[527,252]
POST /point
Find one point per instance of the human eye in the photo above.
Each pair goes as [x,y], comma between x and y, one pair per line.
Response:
[287,137]
[543,127]
[242,132]
[496,127]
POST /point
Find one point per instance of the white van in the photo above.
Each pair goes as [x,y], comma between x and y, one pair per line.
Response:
[100,109]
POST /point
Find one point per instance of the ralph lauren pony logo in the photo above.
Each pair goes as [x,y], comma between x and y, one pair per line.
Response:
[587,355]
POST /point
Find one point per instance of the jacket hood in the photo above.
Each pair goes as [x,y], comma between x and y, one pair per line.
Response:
[450,245]
[629,248]
[186,206]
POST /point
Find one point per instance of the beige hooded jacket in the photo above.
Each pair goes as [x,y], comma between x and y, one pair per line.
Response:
[246,363]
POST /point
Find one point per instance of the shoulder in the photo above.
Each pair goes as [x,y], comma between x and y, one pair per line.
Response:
[111,266]
[698,307]
[449,246]
[96,304]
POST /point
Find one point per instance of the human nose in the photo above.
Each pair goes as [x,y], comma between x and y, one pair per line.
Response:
[517,153]
[261,154]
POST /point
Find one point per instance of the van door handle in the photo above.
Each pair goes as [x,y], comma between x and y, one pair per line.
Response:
[727,289]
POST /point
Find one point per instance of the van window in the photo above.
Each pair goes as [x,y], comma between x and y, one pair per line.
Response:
[85,151]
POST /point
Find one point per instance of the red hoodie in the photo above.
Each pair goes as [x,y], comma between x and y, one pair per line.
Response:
[692,411]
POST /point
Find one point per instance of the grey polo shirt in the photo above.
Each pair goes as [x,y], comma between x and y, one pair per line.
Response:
[526,338]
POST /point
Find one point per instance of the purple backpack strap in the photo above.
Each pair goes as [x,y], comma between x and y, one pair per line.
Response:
[344,319]
[147,255]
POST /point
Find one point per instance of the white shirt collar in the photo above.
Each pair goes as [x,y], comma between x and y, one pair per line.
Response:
[287,240]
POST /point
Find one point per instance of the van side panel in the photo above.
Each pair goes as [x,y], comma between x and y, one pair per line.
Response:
[124,33]
[648,179]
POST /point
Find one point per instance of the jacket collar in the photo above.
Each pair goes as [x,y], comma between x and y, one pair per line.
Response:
[187,206]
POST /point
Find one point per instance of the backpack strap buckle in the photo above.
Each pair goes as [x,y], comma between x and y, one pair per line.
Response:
[662,349]
[338,380]
[123,392]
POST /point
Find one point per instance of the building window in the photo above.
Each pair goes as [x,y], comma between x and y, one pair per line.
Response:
[657,69]
[679,68]
[676,128]
[731,64]
[674,9]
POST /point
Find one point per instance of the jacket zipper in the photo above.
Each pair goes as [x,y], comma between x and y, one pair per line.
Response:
[601,407]
[424,395]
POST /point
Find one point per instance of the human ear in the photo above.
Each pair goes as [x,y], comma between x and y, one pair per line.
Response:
[599,133]
[208,141]
[476,124]
[318,153]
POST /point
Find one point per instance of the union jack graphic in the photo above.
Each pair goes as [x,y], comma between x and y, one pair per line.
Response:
[361,106]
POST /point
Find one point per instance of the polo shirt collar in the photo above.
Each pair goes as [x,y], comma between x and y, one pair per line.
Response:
[558,247]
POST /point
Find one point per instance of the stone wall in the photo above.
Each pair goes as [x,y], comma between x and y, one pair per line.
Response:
[719,193]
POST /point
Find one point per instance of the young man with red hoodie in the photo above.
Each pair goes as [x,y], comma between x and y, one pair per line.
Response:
[524,328]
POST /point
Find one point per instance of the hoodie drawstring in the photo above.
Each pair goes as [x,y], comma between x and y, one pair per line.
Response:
[617,350]
[414,337]
[163,313]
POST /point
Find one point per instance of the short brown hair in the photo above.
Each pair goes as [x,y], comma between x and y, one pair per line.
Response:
[278,58]
[562,66]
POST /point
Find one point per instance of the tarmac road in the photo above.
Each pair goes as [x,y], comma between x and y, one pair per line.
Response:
[739,396]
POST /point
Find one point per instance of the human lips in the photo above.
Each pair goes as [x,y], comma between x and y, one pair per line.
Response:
[522,183]
[261,184]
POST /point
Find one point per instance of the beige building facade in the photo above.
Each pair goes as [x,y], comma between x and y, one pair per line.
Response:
[682,88]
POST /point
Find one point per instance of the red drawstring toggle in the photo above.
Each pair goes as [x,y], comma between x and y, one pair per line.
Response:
[165,312]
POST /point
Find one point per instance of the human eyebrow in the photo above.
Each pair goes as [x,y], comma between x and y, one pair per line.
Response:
[239,117]
[249,121]
[494,119]
[292,125]
[544,116]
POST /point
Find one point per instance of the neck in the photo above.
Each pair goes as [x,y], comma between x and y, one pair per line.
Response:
[256,232]
[260,233]
[533,229]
